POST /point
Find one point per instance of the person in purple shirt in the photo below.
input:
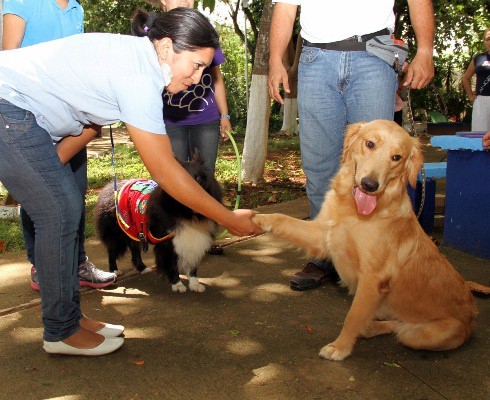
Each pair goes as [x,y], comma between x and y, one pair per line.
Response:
[195,118]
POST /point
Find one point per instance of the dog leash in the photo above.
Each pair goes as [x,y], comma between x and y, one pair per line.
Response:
[119,217]
[239,185]
[422,170]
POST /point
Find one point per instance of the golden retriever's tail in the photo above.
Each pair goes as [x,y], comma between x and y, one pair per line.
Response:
[477,288]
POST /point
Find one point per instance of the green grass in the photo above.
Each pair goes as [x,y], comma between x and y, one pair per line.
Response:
[11,234]
[129,165]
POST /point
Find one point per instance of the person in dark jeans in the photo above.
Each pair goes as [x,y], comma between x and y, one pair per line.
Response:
[27,24]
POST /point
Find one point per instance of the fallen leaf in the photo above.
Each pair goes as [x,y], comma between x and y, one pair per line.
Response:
[233,332]
[351,378]
[391,364]
[139,362]
[309,329]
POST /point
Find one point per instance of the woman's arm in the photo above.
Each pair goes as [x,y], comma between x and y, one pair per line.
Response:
[466,79]
[220,96]
[156,153]
[14,28]
[71,145]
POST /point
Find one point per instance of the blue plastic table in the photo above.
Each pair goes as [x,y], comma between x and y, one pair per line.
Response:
[467,215]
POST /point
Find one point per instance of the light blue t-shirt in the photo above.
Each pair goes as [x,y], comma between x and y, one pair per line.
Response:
[45,19]
[98,78]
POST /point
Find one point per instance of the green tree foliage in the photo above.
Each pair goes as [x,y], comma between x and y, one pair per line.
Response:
[111,15]
[233,71]
[458,37]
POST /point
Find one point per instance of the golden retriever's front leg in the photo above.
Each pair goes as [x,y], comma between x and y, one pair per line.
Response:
[307,235]
[360,315]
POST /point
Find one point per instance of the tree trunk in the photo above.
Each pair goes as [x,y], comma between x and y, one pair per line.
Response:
[290,109]
[257,132]
[290,117]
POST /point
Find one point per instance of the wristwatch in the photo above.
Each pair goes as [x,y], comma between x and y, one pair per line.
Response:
[225,116]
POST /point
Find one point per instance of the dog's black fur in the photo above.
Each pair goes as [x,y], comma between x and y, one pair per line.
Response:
[192,232]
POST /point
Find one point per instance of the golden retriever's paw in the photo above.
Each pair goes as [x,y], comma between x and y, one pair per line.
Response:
[263,221]
[334,353]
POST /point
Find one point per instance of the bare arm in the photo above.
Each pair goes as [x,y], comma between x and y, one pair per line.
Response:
[220,96]
[14,28]
[283,17]
[71,145]
[466,79]
[156,153]
[421,70]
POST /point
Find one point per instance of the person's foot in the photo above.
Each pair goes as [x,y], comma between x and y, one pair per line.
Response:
[215,250]
[101,328]
[89,275]
[84,343]
[312,276]
[34,282]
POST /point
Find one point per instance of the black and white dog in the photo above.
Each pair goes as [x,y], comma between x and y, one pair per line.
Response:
[181,236]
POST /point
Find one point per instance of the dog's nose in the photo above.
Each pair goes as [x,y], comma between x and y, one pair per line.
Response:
[369,184]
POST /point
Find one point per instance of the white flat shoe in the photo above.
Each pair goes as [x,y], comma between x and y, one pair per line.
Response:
[111,331]
[108,346]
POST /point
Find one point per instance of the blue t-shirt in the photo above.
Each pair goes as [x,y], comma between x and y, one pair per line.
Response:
[196,105]
[98,78]
[45,19]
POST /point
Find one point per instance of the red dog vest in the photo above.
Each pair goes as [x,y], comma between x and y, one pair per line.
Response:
[131,204]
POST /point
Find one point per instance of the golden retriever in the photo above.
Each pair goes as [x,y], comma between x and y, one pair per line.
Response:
[400,281]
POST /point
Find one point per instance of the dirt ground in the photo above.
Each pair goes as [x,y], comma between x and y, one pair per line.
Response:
[247,337]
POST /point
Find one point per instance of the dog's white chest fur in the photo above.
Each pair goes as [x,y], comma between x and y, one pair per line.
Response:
[191,240]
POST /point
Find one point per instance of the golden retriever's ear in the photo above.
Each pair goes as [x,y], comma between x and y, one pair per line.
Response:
[350,137]
[414,163]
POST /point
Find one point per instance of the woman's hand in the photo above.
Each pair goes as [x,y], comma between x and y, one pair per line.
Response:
[240,223]
[225,126]
[472,97]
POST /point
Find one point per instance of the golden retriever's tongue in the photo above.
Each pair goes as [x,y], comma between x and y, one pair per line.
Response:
[366,203]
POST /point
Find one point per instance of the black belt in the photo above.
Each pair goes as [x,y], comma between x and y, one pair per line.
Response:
[353,43]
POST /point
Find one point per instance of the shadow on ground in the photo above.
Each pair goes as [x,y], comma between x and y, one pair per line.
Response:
[247,337]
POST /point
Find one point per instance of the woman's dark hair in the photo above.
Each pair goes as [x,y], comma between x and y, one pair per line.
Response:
[188,28]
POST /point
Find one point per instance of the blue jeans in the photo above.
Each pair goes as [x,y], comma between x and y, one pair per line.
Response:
[337,88]
[31,170]
[78,165]
[203,137]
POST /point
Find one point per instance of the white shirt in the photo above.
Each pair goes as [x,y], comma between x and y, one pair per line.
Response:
[325,21]
[89,78]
